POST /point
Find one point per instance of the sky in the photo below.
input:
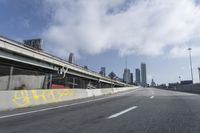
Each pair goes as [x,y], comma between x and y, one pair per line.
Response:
[104,32]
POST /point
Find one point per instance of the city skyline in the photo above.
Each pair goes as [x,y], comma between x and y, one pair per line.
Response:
[167,58]
[99,66]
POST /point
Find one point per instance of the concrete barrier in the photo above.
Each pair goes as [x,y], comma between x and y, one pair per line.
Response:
[25,98]
[30,81]
[194,88]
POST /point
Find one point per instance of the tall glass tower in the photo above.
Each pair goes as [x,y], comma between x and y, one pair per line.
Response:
[143,74]
[137,76]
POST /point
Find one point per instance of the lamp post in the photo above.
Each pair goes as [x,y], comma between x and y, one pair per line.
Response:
[199,73]
[179,79]
[190,49]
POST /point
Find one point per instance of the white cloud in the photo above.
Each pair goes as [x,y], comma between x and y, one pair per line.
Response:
[182,51]
[145,27]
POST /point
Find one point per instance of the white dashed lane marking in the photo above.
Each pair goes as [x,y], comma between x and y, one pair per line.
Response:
[152,97]
[122,112]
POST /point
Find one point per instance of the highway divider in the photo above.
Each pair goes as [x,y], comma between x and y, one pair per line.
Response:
[26,98]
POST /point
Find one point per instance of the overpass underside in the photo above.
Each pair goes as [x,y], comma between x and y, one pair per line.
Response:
[16,76]
[22,67]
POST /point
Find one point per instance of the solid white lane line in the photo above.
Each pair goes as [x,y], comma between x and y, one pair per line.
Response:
[122,112]
[62,106]
[152,97]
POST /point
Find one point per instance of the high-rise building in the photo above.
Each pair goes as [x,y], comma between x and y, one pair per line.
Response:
[103,71]
[153,84]
[112,75]
[137,76]
[86,67]
[143,74]
[71,58]
[131,78]
[127,76]
[34,43]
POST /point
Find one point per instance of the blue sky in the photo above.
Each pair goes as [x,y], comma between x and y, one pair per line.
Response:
[102,33]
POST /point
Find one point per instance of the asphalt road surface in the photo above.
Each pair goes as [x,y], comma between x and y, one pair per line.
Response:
[145,110]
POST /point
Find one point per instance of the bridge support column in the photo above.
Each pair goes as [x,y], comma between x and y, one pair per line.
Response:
[45,85]
[83,84]
[10,77]
[50,81]
[73,82]
[99,84]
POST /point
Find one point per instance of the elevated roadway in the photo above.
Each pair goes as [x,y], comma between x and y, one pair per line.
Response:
[15,52]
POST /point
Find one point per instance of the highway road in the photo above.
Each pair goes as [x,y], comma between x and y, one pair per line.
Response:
[145,110]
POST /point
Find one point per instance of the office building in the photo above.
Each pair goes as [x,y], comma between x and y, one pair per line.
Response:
[127,76]
[131,78]
[143,74]
[137,76]
[71,58]
[103,71]
[153,84]
[112,75]
[86,67]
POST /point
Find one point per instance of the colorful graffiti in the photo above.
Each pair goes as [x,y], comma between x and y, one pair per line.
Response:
[21,98]
[25,98]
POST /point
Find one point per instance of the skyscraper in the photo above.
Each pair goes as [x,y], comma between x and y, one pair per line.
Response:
[153,84]
[71,58]
[131,78]
[112,75]
[137,76]
[103,71]
[143,74]
[86,67]
[127,76]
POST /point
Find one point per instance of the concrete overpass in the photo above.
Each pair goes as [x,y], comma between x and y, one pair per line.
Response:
[15,52]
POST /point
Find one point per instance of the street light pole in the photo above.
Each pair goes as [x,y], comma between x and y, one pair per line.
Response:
[190,49]
[199,73]
[179,79]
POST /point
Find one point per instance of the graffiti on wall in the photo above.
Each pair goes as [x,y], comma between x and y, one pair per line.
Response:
[27,97]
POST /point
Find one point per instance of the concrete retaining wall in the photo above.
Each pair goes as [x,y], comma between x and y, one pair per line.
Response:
[25,98]
[4,82]
[195,88]
[16,81]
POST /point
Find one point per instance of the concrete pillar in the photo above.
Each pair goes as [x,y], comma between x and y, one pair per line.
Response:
[50,81]
[45,85]
[66,81]
[10,77]
[73,82]
[86,83]
[82,82]
[99,84]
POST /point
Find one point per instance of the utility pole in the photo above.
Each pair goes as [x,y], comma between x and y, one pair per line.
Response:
[190,56]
